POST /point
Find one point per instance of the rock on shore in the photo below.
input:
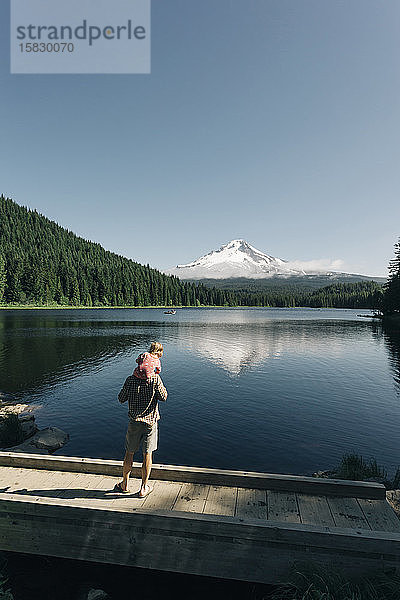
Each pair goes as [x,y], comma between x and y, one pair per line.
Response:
[44,441]
[35,441]
[393,497]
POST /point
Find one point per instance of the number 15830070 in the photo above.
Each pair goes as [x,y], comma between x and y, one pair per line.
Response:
[49,47]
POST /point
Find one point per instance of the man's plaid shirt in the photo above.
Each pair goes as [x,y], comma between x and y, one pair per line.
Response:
[143,396]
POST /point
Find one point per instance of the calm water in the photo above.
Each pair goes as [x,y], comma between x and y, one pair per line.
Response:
[278,390]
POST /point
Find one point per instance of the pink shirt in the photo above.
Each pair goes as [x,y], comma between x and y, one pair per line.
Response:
[148,365]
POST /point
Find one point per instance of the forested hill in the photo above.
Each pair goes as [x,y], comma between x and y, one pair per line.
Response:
[42,263]
[361,294]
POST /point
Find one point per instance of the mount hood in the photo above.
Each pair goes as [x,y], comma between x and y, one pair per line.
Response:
[235,259]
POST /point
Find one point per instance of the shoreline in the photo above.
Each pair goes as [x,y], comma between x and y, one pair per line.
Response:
[178,306]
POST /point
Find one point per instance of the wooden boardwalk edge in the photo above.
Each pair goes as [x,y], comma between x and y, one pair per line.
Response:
[272,481]
[197,544]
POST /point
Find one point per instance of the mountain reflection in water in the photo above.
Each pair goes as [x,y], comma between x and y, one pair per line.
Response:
[255,389]
[237,348]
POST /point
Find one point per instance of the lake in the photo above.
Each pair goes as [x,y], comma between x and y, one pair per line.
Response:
[262,389]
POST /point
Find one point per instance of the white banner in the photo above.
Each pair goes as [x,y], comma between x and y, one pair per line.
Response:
[80,36]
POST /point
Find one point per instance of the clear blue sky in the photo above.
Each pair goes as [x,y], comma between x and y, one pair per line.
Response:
[276,121]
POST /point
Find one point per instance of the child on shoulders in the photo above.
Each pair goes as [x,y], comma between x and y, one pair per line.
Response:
[149,362]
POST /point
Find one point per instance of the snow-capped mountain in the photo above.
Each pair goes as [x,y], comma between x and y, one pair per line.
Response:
[235,259]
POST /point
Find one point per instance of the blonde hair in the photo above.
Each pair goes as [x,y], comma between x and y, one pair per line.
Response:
[156,348]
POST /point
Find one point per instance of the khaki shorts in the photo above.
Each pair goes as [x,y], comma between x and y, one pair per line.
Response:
[141,433]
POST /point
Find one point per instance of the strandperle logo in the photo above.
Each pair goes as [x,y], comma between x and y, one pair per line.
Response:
[91,33]
[80,36]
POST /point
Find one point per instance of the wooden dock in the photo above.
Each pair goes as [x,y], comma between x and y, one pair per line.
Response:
[229,524]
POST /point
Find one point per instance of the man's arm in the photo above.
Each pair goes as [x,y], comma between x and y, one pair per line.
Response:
[123,395]
[161,392]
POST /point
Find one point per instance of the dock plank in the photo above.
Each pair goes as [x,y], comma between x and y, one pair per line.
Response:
[87,490]
[130,501]
[314,510]
[7,472]
[26,480]
[206,545]
[9,476]
[49,484]
[185,474]
[380,515]
[251,504]
[221,500]
[347,513]
[192,498]
[57,481]
[237,532]
[282,506]
[163,496]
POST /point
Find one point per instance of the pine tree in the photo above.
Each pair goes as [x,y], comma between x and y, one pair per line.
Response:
[3,277]
[391,296]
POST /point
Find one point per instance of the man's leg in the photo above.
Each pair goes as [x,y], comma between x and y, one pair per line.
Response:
[126,469]
[146,470]
[132,442]
[149,445]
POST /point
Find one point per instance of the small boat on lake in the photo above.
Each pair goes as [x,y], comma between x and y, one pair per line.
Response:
[169,312]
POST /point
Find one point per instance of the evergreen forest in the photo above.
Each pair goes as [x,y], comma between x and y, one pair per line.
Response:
[391,298]
[43,264]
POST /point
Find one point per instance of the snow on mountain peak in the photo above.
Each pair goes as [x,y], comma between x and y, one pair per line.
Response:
[237,258]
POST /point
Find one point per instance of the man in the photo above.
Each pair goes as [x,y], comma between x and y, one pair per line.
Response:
[142,396]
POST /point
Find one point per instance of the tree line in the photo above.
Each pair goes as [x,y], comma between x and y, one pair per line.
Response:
[391,297]
[43,264]
[362,294]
